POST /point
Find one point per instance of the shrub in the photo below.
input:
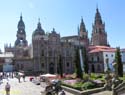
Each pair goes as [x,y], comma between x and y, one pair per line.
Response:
[88,85]
[97,76]
[74,87]
[79,84]
[85,77]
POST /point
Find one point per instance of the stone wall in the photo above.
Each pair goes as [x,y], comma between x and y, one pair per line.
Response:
[120,89]
[86,92]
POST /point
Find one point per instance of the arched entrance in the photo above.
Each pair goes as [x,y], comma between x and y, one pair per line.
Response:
[51,68]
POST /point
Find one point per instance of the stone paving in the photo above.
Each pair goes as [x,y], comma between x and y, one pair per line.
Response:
[29,88]
[103,93]
[23,88]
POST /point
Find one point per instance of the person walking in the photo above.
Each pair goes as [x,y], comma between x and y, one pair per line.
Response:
[7,88]
[19,78]
[24,77]
[62,92]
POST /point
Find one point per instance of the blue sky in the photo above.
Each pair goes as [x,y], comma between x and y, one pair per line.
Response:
[63,15]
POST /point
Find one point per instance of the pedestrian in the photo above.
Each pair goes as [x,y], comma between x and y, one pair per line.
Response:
[7,77]
[7,88]
[24,77]
[62,92]
[19,78]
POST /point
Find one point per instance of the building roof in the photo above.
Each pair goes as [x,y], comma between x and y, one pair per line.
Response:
[69,37]
[94,49]
[7,55]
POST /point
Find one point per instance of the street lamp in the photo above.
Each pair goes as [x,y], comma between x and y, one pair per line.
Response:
[80,51]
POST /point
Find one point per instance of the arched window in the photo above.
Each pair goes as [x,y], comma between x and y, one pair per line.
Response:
[67,64]
[51,68]
[98,59]
[42,53]
[42,65]
[107,60]
[92,59]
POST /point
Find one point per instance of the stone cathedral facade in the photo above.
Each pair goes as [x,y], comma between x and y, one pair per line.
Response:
[43,53]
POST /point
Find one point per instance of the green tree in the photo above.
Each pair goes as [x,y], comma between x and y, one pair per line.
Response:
[118,61]
[60,69]
[85,60]
[78,69]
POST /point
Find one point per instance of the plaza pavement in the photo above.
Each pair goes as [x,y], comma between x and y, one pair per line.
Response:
[29,88]
[103,93]
[23,88]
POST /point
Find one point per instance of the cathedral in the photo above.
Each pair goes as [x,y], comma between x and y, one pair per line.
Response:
[46,48]
[22,52]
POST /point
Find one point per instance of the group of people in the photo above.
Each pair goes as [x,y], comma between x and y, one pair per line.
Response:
[54,86]
[7,86]
[6,75]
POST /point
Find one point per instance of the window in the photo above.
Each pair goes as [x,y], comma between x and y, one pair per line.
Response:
[67,64]
[106,55]
[67,53]
[112,55]
[92,59]
[98,58]
[42,53]
[42,64]
[107,60]
[50,53]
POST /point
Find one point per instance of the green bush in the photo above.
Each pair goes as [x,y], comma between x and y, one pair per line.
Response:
[93,76]
[74,87]
[88,85]
[97,76]
[79,84]
[85,77]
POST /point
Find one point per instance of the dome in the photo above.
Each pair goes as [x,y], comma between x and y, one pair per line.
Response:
[17,42]
[39,30]
[21,23]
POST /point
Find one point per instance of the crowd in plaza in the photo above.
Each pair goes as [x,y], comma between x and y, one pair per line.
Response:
[52,86]
[7,75]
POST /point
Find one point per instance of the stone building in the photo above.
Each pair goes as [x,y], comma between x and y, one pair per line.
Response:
[43,53]
[46,51]
[99,35]
[21,50]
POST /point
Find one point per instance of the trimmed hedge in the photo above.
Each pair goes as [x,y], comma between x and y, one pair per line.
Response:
[81,86]
[88,85]
[74,87]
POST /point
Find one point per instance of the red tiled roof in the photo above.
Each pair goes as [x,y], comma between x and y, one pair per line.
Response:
[94,49]
[90,47]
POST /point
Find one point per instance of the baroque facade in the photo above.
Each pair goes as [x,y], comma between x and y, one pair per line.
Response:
[43,54]
[46,51]
[22,58]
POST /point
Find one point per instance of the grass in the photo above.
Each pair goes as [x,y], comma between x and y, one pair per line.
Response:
[85,83]
[123,78]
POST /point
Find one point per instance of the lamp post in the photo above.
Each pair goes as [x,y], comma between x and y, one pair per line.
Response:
[107,65]
[80,51]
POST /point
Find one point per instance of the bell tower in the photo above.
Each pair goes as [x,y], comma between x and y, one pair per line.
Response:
[99,35]
[21,34]
[83,33]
